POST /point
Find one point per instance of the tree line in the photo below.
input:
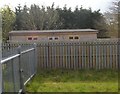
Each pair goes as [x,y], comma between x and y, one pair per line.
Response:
[48,18]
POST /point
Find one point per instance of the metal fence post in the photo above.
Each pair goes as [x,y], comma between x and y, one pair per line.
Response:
[0,53]
[20,70]
[35,56]
[0,77]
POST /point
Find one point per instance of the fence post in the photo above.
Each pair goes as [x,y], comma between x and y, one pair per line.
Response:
[20,70]
[0,77]
[35,57]
[0,53]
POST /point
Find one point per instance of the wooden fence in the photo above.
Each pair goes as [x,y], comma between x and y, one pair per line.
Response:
[87,54]
[97,54]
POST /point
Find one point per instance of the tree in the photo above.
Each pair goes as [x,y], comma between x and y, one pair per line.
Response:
[83,18]
[119,19]
[8,19]
[100,24]
[38,16]
[51,17]
[18,13]
[27,20]
[112,19]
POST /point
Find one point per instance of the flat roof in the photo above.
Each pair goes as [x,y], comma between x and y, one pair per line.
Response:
[54,31]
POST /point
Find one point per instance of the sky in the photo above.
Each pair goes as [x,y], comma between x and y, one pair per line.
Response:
[103,5]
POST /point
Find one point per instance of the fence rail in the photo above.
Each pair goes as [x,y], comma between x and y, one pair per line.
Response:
[18,69]
[9,49]
[98,54]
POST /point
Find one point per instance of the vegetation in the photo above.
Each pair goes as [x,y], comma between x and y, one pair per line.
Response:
[45,18]
[55,18]
[112,19]
[74,81]
[8,19]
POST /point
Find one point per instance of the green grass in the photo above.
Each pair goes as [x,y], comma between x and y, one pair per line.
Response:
[74,81]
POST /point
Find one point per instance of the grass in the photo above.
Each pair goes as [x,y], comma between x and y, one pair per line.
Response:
[74,81]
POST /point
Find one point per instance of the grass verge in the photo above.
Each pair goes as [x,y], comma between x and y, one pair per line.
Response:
[74,81]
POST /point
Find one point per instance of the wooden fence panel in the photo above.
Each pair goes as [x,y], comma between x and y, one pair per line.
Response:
[99,54]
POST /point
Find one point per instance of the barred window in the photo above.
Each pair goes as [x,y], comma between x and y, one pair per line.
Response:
[50,38]
[76,37]
[70,37]
[35,38]
[56,38]
[29,38]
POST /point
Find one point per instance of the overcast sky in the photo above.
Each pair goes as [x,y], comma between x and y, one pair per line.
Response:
[103,5]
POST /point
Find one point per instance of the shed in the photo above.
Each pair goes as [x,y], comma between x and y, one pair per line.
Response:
[52,35]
